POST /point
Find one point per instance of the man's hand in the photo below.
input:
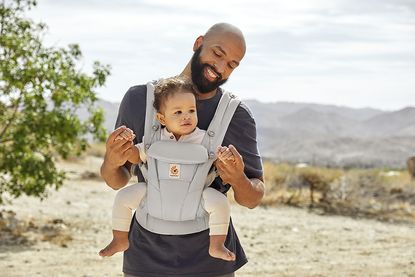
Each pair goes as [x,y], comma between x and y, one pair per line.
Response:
[230,167]
[117,152]
[118,147]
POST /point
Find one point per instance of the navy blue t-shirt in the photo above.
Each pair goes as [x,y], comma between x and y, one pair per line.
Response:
[155,255]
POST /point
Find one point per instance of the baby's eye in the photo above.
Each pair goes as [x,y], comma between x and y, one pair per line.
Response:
[192,111]
[178,112]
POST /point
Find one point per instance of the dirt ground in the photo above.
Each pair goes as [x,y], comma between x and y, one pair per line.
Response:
[62,235]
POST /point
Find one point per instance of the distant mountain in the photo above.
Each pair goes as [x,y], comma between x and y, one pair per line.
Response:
[325,134]
[286,108]
[313,122]
[110,113]
[401,122]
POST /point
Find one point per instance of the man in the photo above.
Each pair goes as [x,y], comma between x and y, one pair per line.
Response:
[216,55]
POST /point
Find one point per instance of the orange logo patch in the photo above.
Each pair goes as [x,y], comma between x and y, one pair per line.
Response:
[174,171]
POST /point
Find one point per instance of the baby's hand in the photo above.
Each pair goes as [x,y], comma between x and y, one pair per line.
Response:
[128,134]
[224,154]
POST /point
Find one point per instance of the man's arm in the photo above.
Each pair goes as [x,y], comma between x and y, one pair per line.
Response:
[115,169]
[247,192]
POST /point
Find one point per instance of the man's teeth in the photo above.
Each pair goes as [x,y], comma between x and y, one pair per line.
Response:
[211,73]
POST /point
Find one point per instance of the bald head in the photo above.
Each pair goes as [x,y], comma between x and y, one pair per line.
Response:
[226,29]
[216,55]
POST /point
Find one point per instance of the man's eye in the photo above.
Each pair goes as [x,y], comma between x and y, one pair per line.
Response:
[217,54]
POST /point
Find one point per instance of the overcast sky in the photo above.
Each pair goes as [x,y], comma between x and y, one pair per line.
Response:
[356,53]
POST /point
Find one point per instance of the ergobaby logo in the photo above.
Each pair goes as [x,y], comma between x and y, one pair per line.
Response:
[174,171]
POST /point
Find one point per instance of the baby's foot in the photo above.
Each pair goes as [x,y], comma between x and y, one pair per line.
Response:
[116,245]
[221,252]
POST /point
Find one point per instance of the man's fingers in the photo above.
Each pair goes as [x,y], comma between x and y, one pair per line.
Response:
[119,137]
[231,158]
[120,146]
[127,145]
[238,157]
[219,167]
[126,153]
[115,133]
[220,150]
[227,154]
[219,164]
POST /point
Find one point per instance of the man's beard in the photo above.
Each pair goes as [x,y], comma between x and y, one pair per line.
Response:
[198,78]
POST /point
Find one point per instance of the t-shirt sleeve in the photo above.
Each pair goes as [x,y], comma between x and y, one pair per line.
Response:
[122,117]
[242,134]
[131,113]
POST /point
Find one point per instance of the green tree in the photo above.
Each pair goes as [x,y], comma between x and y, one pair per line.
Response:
[41,89]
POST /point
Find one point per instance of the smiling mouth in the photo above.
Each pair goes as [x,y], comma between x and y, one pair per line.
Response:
[211,74]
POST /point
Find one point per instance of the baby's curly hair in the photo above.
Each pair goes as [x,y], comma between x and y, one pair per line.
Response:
[165,88]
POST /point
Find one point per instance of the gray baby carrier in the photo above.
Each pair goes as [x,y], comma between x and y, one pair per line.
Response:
[177,173]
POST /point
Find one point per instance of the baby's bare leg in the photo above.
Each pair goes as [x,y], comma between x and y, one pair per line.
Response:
[217,205]
[218,250]
[126,200]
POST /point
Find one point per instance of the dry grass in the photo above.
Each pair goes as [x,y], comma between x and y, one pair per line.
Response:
[374,193]
[28,231]
[93,149]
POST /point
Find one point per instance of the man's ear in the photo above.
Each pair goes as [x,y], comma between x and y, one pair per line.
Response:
[198,43]
[160,118]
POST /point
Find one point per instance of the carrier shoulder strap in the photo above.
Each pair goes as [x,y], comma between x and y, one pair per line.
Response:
[220,122]
[151,126]
[214,136]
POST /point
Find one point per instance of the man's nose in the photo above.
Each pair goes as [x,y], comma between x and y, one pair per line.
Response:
[220,66]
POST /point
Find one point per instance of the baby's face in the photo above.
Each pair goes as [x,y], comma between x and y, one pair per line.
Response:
[179,114]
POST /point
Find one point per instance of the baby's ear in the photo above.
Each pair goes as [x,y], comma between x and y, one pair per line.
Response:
[160,118]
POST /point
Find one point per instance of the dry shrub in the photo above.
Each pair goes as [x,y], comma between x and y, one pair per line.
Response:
[372,193]
[318,181]
[93,149]
[16,231]
[276,177]
[288,184]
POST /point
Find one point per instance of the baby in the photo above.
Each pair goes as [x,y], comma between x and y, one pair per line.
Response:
[175,103]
